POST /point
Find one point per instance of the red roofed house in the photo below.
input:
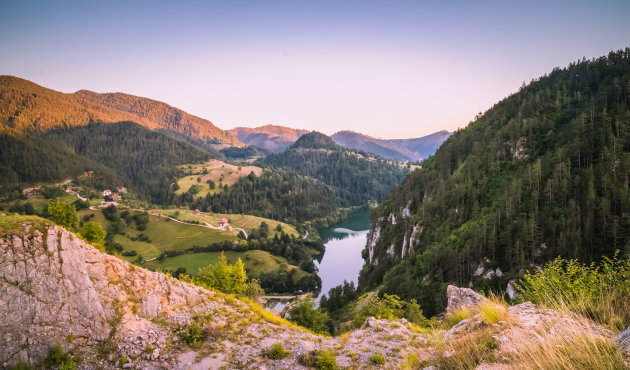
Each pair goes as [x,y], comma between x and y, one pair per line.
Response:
[107,192]
[229,228]
[116,197]
[196,212]
[223,222]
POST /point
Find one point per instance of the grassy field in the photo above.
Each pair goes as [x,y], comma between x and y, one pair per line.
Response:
[256,262]
[245,222]
[164,235]
[220,172]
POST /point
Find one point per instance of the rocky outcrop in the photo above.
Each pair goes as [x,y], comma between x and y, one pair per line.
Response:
[462,297]
[623,342]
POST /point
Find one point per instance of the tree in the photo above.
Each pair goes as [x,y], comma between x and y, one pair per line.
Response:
[93,232]
[223,276]
[305,314]
[63,213]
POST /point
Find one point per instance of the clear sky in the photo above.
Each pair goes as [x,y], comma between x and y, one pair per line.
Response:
[393,69]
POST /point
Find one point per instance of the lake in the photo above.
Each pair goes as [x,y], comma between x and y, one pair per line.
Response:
[344,243]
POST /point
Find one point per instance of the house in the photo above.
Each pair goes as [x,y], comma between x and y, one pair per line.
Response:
[229,228]
[116,197]
[90,173]
[71,192]
[223,222]
[107,193]
[196,212]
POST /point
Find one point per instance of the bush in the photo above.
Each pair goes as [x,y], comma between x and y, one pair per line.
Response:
[305,314]
[324,360]
[378,358]
[458,316]
[193,335]
[493,312]
[57,359]
[277,352]
[601,292]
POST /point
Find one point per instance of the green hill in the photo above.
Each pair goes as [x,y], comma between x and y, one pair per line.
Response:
[358,177]
[544,172]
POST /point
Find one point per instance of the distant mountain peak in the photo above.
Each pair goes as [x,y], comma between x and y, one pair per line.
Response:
[315,140]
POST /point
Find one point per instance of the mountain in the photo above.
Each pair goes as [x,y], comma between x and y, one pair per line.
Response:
[272,138]
[26,107]
[381,147]
[544,172]
[423,147]
[361,179]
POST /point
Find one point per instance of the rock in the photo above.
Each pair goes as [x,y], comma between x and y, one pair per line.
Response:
[462,297]
[623,342]
[127,365]
[510,290]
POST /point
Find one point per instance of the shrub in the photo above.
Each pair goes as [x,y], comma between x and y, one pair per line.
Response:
[601,292]
[324,360]
[57,359]
[277,352]
[378,358]
[193,335]
[305,314]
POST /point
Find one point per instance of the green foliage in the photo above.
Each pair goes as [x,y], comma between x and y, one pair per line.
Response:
[458,316]
[305,314]
[93,232]
[389,307]
[541,174]
[58,359]
[63,213]
[324,360]
[601,291]
[223,276]
[253,290]
[378,359]
[356,178]
[277,352]
[193,335]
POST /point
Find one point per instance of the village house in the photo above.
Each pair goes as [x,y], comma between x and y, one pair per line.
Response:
[107,193]
[229,228]
[116,197]
[223,222]
[196,212]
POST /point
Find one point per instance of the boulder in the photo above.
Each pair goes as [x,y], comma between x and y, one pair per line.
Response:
[623,342]
[462,297]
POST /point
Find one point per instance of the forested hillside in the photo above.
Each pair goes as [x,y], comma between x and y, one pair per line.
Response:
[26,107]
[147,159]
[545,172]
[31,160]
[277,194]
[358,176]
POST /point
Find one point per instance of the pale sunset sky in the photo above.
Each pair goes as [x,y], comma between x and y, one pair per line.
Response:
[391,69]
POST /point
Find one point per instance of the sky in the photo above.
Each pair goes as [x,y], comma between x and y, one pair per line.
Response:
[390,69]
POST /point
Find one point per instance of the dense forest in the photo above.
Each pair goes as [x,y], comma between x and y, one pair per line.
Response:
[148,159]
[359,178]
[30,160]
[277,194]
[545,172]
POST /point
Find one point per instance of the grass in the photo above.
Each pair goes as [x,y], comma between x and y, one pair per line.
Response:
[576,347]
[245,222]
[217,171]
[12,223]
[378,359]
[466,351]
[457,316]
[598,291]
[277,351]
[494,311]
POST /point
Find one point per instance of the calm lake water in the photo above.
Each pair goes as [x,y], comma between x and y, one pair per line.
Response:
[342,258]
[344,243]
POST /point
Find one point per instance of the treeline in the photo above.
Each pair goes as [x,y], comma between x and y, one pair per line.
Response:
[543,173]
[147,159]
[358,178]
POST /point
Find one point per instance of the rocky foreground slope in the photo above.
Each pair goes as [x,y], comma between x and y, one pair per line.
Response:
[55,288]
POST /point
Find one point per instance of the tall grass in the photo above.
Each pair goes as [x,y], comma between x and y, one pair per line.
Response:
[575,346]
[598,291]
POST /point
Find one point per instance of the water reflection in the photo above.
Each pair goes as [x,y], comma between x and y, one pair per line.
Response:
[344,243]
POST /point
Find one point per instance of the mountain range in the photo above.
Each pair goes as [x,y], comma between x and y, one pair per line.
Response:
[26,107]
[278,138]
